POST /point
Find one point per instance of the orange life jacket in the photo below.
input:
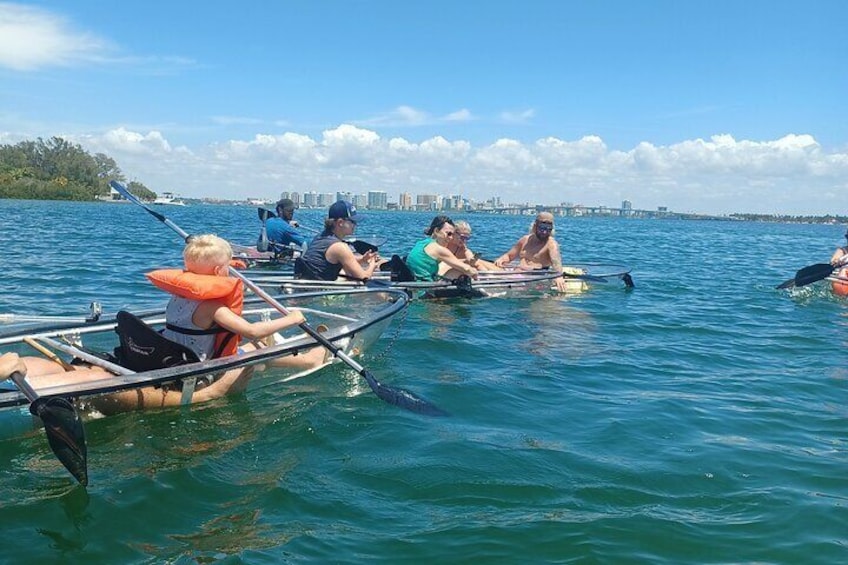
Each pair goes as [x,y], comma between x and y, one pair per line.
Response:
[840,287]
[228,291]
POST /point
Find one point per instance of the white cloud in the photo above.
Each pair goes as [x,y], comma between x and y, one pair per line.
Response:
[522,117]
[32,38]
[236,121]
[125,141]
[407,116]
[792,174]
[463,115]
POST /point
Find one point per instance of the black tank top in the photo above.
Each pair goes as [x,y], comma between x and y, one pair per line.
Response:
[315,259]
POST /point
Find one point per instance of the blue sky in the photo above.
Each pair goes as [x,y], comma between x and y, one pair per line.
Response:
[699,106]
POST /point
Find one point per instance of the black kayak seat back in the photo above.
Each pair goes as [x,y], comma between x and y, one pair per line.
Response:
[303,271]
[142,348]
[400,271]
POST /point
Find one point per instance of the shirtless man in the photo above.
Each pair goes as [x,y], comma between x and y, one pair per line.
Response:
[537,250]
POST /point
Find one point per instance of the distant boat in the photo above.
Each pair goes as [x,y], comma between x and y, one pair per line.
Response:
[168,198]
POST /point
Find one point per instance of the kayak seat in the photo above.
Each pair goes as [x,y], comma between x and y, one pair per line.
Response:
[144,349]
[400,271]
[303,271]
[362,247]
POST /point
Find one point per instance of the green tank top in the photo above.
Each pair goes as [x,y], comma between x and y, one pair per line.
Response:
[422,265]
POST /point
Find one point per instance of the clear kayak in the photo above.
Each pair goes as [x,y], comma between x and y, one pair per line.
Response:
[487,284]
[350,319]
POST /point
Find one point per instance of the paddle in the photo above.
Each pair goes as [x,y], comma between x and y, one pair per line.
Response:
[63,426]
[808,275]
[262,242]
[396,396]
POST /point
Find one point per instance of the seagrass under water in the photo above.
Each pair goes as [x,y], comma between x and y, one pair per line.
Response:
[701,417]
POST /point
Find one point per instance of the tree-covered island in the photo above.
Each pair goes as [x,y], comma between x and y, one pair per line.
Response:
[57,169]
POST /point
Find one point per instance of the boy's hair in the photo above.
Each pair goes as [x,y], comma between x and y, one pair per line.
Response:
[207,249]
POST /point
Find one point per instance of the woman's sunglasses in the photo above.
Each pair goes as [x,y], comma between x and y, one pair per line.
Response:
[465,236]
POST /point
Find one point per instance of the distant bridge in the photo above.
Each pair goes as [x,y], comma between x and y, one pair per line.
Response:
[578,210]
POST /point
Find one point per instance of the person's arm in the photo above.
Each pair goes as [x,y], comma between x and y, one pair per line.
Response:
[838,257]
[11,363]
[556,264]
[512,254]
[341,254]
[295,235]
[444,255]
[231,321]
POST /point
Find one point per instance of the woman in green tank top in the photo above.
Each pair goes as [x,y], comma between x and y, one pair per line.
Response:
[427,253]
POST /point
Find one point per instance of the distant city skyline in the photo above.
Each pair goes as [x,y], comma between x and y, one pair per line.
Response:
[379,200]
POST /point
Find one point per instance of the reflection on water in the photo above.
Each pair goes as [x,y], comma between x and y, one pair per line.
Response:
[559,331]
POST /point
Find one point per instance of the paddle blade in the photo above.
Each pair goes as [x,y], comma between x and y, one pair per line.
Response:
[262,243]
[401,397]
[813,273]
[628,280]
[786,284]
[265,214]
[65,434]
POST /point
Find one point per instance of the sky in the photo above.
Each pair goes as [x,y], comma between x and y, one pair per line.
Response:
[700,106]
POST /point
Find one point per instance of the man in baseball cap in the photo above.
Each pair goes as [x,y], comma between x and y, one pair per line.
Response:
[281,230]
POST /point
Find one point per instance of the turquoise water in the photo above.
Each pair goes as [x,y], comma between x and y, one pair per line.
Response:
[700,418]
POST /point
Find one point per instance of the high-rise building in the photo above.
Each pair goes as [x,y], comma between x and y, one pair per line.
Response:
[360,201]
[427,202]
[293,196]
[405,201]
[310,199]
[377,200]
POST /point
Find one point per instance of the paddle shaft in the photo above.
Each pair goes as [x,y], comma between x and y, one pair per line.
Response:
[63,426]
[49,354]
[24,386]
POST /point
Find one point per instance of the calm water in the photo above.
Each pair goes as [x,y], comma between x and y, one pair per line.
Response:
[700,418]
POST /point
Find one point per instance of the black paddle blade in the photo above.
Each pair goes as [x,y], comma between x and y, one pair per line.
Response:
[401,397]
[786,284]
[813,273]
[65,434]
[628,280]
[265,214]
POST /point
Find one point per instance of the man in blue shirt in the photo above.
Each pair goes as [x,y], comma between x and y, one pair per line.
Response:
[281,230]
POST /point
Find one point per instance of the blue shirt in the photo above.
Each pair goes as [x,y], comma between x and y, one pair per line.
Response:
[282,232]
